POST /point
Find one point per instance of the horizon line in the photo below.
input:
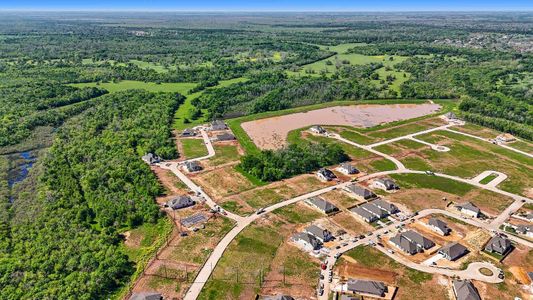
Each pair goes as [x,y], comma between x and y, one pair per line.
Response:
[529,10]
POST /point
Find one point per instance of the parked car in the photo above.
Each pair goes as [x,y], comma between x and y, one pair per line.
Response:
[390,251]
[260,211]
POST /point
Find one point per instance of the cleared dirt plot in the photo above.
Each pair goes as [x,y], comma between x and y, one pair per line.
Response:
[367,263]
[423,191]
[340,199]
[257,259]
[271,133]
[222,182]
[251,200]
[469,157]
[516,265]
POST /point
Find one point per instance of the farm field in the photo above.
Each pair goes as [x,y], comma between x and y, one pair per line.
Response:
[113,87]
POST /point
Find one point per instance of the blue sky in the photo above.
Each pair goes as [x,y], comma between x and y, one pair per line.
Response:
[272,5]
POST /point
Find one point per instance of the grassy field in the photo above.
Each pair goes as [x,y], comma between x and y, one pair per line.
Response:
[224,154]
[183,111]
[488,179]
[181,87]
[193,148]
[431,182]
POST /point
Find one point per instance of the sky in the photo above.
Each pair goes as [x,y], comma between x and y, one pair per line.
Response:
[271,5]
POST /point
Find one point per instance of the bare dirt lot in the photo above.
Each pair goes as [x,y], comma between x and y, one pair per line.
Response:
[271,133]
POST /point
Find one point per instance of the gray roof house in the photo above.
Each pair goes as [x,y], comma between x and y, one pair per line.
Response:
[193,166]
[325,174]
[465,290]
[317,129]
[439,226]
[451,116]
[375,288]
[225,137]
[386,206]
[359,191]
[498,244]
[350,297]
[188,132]
[151,158]
[402,243]
[193,220]
[307,241]
[524,229]
[385,184]
[371,208]
[323,235]
[420,240]
[453,251]
[322,205]
[347,169]
[277,297]
[180,202]
[218,125]
[469,208]
[146,296]
[363,214]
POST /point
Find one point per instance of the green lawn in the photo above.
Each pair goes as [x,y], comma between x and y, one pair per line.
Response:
[112,87]
[488,179]
[432,182]
[193,148]
[224,154]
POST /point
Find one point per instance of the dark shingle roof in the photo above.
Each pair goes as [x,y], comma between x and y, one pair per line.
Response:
[403,243]
[465,290]
[146,296]
[310,239]
[364,214]
[389,207]
[322,204]
[439,224]
[418,239]
[360,191]
[469,206]
[367,287]
[454,250]
[498,244]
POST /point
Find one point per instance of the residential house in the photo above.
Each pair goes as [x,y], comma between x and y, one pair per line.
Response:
[363,214]
[367,287]
[306,241]
[468,208]
[465,290]
[453,251]
[526,230]
[146,296]
[529,216]
[277,297]
[325,174]
[193,166]
[350,297]
[359,192]
[439,226]
[317,129]
[402,243]
[498,244]
[385,184]
[505,138]
[188,132]
[225,137]
[420,240]
[450,116]
[347,169]
[218,125]
[322,205]
[323,235]
[193,220]
[180,202]
[386,206]
[151,158]
[371,208]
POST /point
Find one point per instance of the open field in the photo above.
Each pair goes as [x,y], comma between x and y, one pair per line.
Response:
[271,133]
[224,153]
[222,182]
[193,148]
[112,87]
[488,133]
[423,191]
[367,263]
[182,117]
[469,157]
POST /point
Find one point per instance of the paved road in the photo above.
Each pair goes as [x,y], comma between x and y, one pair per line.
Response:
[409,136]
[494,182]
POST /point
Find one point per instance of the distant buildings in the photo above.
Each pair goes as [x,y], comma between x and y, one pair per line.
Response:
[151,158]
[306,241]
[374,210]
[322,205]
[469,209]
[526,230]
[453,251]
[225,137]
[439,226]
[325,174]
[347,169]
[505,138]
[465,290]
[323,235]
[498,244]
[188,132]
[193,220]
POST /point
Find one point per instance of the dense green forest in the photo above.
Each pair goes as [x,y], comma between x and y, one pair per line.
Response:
[60,225]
